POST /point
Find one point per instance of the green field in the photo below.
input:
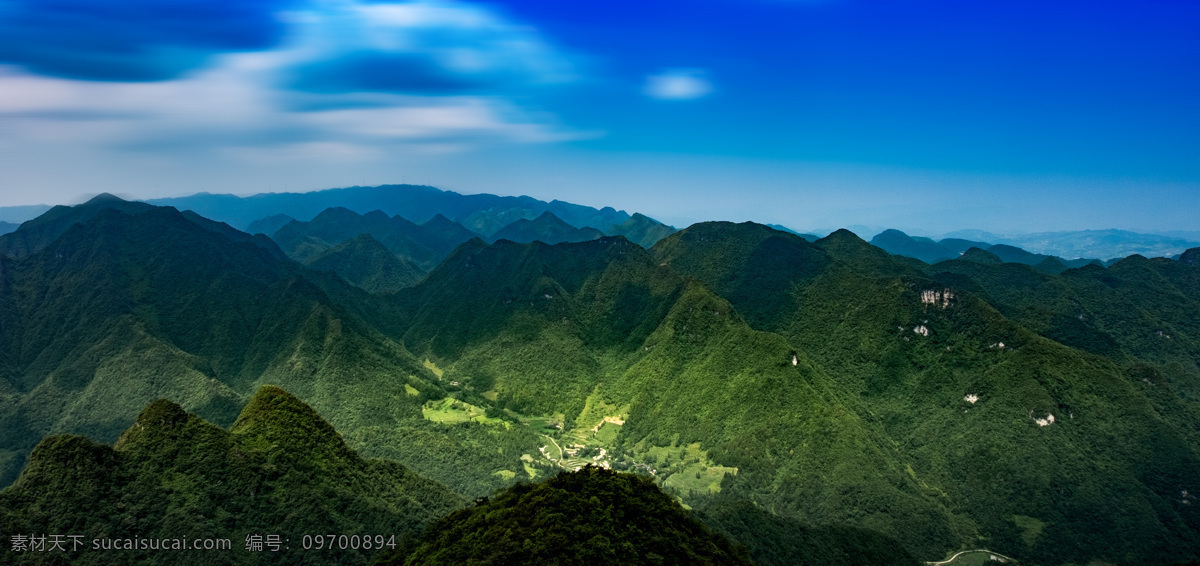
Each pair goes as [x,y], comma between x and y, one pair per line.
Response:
[453,411]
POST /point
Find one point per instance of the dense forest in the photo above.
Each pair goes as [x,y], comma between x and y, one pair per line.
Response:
[818,402]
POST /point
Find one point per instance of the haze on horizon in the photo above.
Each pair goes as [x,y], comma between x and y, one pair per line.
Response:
[931,117]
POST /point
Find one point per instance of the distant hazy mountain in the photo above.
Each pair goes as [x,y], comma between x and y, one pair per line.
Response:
[19,214]
[421,245]
[1189,235]
[269,225]
[929,251]
[415,202]
[1102,244]
[960,245]
[6,227]
[782,228]
[898,243]
[546,228]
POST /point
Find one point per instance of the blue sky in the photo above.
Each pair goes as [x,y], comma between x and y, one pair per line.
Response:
[930,116]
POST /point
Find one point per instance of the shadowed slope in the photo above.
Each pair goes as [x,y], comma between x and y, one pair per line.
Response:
[283,470]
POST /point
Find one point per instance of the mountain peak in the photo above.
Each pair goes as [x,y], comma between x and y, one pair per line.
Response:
[280,419]
[548,217]
[105,198]
[161,425]
[842,235]
[548,228]
[980,256]
[335,214]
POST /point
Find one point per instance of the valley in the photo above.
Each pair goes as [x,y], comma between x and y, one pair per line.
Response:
[824,390]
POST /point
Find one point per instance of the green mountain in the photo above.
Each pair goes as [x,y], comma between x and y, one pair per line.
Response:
[641,230]
[592,516]
[597,333]
[440,229]
[1190,257]
[280,470]
[546,228]
[977,255]
[124,309]
[41,231]
[825,389]
[368,265]
[772,540]
[966,394]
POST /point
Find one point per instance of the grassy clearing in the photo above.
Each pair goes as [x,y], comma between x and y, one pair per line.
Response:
[596,412]
[607,434]
[1031,528]
[542,425]
[686,469]
[453,411]
[411,391]
[505,475]
[433,368]
[552,451]
[527,461]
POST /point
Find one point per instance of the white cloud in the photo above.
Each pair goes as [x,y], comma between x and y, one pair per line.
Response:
[678,84]
[424,45]
[247,102]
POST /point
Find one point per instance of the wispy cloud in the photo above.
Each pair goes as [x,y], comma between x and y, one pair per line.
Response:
[349,75]
[678,84]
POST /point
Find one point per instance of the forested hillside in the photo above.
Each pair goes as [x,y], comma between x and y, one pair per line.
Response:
[280,471]
[1027,440]
[826,391]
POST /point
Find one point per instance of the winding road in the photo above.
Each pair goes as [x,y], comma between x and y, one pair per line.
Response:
[951,559]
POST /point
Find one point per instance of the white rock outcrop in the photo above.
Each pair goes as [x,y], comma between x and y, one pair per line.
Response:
[938,298]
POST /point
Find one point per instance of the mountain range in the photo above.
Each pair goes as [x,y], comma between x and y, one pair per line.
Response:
[481,213]
[826,389]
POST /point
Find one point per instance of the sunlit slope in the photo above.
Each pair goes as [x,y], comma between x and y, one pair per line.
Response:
[967,395]
[280,470]
[598,330]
